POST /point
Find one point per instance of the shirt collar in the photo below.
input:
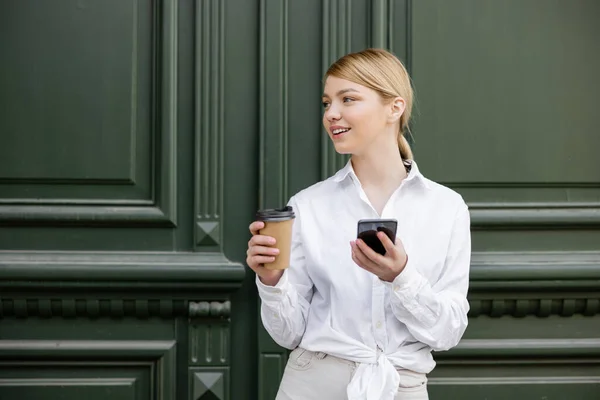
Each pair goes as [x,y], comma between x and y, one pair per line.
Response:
[413,174]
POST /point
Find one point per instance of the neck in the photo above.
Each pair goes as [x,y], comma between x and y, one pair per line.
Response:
[382,168]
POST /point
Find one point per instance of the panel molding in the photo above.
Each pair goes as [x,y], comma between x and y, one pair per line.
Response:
[532,268]
[67,307]
[160,210]
[270,369]
[391,27]
[508,348]
[488,216]
[214,381]
[273,137]
[534,284]
[209,123]
[213,309]
[209,342]
[94,306]
[159,350]
[381,23]
[85,382]
[166,190]
[542,308]
[515,380]
[119,270]
[337,33]
[273,119]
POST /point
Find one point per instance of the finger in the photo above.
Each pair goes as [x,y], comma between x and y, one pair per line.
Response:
[361,265]
[363,259]
[370,253]
[358,262]
[389,246]
[257,261]
[256,226]
[262,240]
[263,251]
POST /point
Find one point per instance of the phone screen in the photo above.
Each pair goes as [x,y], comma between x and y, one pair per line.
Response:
[367,231]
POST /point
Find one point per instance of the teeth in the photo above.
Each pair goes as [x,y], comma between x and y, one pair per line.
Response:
[336,131]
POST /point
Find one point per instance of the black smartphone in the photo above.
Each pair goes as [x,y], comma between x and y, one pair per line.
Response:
[368,228]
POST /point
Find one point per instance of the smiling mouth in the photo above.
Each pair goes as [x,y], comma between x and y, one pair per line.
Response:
[336,132]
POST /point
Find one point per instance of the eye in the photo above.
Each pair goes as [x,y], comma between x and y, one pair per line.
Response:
[325,104]
[348,99]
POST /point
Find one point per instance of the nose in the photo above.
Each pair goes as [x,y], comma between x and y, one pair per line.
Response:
[332,113]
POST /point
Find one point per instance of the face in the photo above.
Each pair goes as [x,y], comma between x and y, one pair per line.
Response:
[356,118]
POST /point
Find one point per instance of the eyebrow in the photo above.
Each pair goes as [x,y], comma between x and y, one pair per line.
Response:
[341,92]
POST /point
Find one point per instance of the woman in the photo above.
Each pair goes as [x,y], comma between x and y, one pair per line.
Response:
[363,325]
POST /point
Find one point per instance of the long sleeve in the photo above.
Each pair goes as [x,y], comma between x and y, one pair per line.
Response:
[285,306]
[437,314]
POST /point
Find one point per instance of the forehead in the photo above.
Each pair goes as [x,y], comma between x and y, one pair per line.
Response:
[333,85]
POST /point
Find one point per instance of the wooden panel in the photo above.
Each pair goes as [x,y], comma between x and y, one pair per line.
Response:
[527,369]
[135,370]
[509,87]
[89,121]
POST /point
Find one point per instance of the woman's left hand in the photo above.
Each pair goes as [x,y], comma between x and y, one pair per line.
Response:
[387,267]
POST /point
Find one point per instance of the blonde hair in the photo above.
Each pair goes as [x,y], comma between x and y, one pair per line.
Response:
[383,72]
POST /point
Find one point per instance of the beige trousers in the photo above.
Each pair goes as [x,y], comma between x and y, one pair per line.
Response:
[318,376]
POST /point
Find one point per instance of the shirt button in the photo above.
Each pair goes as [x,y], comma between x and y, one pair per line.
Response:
[378,325]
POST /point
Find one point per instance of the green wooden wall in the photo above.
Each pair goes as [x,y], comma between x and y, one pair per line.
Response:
[138,137]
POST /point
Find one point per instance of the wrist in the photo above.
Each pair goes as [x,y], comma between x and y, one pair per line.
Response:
[271,279]
[395,274]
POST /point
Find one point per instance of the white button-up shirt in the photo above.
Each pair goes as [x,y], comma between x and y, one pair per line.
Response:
[324,302]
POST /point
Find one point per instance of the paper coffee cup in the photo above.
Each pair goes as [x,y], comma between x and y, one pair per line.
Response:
[278,224]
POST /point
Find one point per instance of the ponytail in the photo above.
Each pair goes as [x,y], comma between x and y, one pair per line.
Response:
[405,151]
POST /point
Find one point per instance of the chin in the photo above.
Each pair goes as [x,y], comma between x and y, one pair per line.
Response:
[342,149]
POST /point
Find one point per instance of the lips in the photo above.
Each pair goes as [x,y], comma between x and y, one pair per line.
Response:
[338,130]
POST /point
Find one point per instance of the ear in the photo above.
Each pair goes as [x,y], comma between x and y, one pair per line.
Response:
[397,107]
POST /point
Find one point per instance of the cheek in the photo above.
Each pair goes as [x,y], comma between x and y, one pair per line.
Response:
[356,116]
[375,119]
[363,118]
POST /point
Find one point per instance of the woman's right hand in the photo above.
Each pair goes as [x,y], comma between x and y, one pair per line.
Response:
[260,253]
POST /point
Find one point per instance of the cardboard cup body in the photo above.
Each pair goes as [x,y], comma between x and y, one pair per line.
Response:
[282,232]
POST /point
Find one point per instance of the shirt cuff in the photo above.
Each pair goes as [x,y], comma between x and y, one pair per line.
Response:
[273,293]
[408,280]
